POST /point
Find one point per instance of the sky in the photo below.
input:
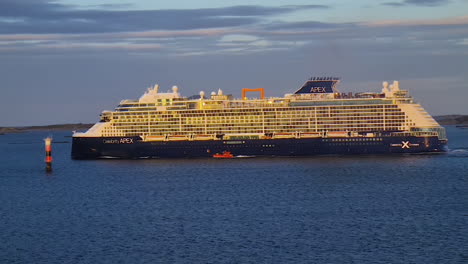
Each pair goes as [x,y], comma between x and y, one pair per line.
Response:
[66,61]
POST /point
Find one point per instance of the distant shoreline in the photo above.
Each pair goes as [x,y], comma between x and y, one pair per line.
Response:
[458,120]
[59,127]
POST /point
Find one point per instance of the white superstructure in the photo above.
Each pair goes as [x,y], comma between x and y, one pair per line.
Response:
[169,116]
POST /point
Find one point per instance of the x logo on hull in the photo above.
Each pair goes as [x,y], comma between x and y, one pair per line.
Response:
[405,144]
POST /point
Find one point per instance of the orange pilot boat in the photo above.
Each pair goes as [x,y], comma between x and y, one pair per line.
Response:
[224,155]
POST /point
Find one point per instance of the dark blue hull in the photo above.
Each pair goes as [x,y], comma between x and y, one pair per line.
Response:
[134,147]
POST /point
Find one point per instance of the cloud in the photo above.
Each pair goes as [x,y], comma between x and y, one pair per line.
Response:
[306,25]
[418,3]
[463,20]
[427,2]
[238,38]
[228,30]
[136,42]
[110,6]
[35,25]
[393,4]
[44,16]
[421,36]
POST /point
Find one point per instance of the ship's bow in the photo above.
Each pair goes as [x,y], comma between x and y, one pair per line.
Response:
[85,148]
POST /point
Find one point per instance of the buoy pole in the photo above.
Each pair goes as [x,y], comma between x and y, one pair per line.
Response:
[48,150]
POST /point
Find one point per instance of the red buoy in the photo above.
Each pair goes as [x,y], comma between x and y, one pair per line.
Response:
[48,150]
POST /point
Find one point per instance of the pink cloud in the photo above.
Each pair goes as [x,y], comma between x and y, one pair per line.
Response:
[422,22]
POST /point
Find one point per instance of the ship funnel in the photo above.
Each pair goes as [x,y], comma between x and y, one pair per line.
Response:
[220,92]
[156,88]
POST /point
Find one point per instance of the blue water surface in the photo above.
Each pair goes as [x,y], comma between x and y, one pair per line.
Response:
[333,209]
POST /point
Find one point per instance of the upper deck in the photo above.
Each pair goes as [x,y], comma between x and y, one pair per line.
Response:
[315,92]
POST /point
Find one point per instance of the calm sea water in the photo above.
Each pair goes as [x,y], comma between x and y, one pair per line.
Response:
[335,209]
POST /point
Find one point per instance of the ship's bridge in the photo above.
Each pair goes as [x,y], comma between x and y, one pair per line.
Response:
[153,94]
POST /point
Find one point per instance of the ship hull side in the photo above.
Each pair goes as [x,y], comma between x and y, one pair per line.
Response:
[134,147]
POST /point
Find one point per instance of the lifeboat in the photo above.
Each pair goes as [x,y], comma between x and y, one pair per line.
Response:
[224,155]
[310,135]
[155,138]
[203,137]
[284,135]
[177,138]
[338,134]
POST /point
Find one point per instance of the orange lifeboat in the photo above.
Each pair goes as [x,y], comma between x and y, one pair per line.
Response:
[177,137]
[224,155]
[310,134]
[283,135]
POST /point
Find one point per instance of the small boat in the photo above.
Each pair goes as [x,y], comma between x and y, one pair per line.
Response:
[224,155]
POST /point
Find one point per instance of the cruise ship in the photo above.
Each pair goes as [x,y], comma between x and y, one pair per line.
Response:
[316,119]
